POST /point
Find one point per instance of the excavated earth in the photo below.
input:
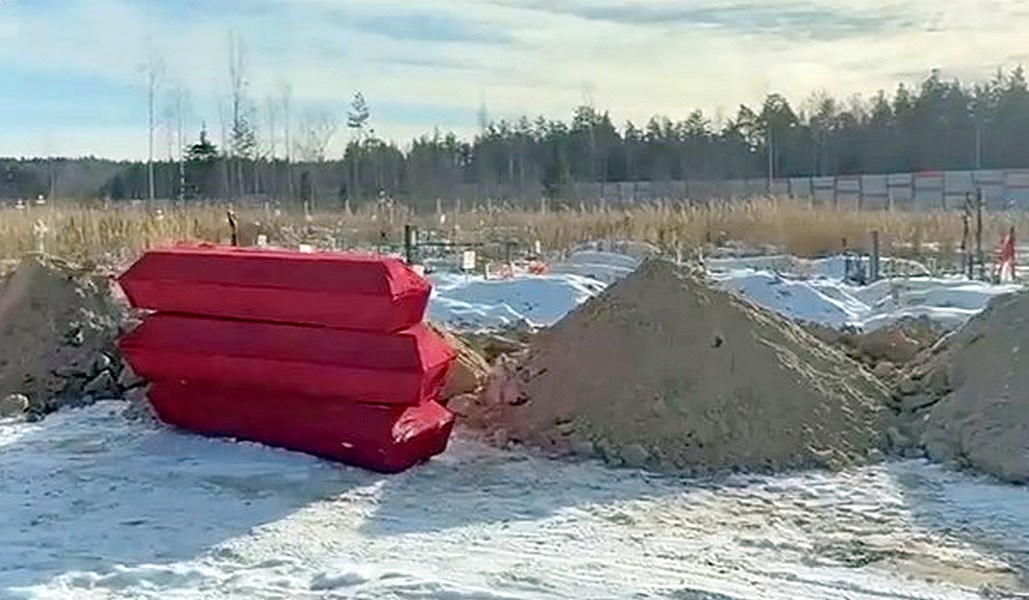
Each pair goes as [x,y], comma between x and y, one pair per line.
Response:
[664,372]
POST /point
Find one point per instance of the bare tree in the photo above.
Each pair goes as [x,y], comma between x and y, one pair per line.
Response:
[286,96]
[166,125]
[317,128]
[178,103]
[271,110]
[153,70]
[243,137]
[272,113]
[226,145]
[256,153]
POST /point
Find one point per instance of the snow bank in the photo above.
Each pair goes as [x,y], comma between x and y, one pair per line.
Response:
[832,303]
[808,290]
[831,267]
[96,506]
[473,302]
[607,267]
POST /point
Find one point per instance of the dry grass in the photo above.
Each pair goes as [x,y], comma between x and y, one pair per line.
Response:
[92,233]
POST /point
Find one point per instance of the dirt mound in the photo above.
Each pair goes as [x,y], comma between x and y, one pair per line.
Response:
[468,372]
[968,402]
[885,350]
[57,323]
[662,371]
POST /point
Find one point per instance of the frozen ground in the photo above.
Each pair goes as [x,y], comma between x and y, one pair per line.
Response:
[806,290]
[95,506]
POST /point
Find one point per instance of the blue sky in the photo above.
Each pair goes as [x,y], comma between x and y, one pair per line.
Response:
[70,79]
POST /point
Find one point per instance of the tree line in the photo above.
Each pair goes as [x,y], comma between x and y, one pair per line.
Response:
[940,124]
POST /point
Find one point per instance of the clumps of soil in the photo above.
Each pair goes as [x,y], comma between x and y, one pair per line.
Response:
[664,372]
[492,345]
[58,323]
[469,370]
[887,350]
[967,401]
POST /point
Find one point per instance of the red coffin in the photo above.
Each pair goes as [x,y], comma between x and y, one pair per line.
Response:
[332,289]
[384,439]
[408,367]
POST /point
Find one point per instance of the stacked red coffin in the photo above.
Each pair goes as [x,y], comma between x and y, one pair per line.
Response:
[323,353]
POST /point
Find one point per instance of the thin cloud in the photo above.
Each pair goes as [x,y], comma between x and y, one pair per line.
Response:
[423,63]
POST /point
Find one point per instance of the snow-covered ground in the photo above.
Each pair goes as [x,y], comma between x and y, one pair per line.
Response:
[805,290]
[472,302]
[830,302]
[97,506]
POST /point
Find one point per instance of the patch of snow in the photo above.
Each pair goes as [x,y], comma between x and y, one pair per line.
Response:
[805,290]
[831,267]
[606,267]
[472,302]
[97,506]
[833,303]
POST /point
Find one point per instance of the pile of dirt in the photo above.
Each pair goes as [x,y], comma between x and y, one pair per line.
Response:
[57,327]
[493,344]
[967,402]
[885,350]
[662,371]
[469,370]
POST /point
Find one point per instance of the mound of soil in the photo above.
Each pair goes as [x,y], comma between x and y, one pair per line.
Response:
[887,350]
[968,402]
[57,325]
[469,370]
[662,371]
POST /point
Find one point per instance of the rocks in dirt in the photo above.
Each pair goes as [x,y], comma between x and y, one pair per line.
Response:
[885,349]
[463,405]
[968,400]
[888,344]
[128,379]
[14,405]
[885,370]
[139,406]
[492,345]
[57,323]
[102,386]
[102,363]
[664,372]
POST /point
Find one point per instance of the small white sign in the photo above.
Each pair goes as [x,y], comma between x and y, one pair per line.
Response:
[262,241]
[468,260]
[306,249]
[537,248]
